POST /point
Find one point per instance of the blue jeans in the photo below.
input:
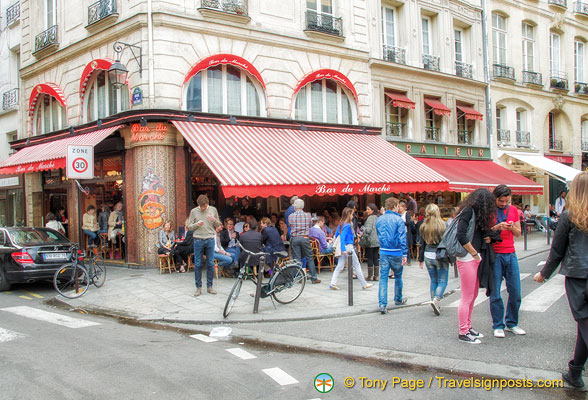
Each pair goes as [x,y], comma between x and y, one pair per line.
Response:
[387,262]
[92,237]
[506,266]
[205,246]
[438,271]
[235,252]
[223,260]
[301,249]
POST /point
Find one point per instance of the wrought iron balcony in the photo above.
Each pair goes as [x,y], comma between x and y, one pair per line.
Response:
[464,70]
[100,10]
[533,78]
[239,7]
[556,145]
[324,23]
[46,39]
[503,136]
[395,129]
[464,137]
[432,133]
[13,13]
[558,80]
[581,8]
[503,71]
[395,54]
[560,3]
[431,62]
[581,88]
[584,145]
[523,139]
[10,99]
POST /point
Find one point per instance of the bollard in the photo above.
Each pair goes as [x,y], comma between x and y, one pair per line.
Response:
[350,279]
[260,271]
[525,233]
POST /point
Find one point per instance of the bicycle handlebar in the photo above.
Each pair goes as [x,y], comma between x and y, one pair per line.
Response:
[252,253]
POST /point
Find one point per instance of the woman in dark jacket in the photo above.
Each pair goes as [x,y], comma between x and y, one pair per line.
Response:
[184,248]
[271,240]
[372,250]
[570,248]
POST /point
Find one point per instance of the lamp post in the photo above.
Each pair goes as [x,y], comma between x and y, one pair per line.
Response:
[117,73]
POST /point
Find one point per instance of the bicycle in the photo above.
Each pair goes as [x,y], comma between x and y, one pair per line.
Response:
[285,285]
[96,267]
[73,279]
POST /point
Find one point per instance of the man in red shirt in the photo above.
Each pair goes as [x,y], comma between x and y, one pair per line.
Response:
[506,266]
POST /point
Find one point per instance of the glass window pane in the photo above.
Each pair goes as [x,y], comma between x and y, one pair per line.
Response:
[233,90]
[91,103]
[311,5]
[55,114]
[194,95]
[426,45]
[316,99]
[326,7]
[346,110]
[215,95]
[301,105]
[101,87]
[389,34]
[124,98]
[46,113]
[253,106]
[332,114]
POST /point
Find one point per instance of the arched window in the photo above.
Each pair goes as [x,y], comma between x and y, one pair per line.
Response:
[103,99]
[225,89]
[49,115]
[324,100]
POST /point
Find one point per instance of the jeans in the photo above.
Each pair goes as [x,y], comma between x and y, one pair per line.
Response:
[468,277]
[92,237]
[387,262]
[301,247]
[506,266]
[235,253]
[223,260]
[205,246]
[438,271]
[349,249]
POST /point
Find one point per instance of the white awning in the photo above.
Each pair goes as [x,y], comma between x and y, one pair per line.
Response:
[557,170]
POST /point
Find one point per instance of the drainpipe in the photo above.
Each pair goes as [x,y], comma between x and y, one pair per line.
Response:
[487,76]
[151,60]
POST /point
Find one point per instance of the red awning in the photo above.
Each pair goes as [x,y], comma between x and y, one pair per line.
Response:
[48,88]
[50,155]
[470,113]
[98,64]
[400,100]
[469,175]
[266,161]
[438,107]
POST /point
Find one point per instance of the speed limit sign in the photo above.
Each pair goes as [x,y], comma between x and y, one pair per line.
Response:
[80,162]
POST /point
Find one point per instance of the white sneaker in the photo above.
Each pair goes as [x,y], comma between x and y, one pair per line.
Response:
[499,333]
[368,285]
[516,330]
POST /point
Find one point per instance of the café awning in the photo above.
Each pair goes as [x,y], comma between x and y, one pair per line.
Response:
[400,100]
[470,113]
[438,107]
[51,154]
[268,161]
[469,175]
[557,170]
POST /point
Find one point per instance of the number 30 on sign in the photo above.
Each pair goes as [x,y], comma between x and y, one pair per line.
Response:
[80,162]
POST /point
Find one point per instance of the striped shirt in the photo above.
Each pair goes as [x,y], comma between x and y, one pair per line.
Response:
[299,222]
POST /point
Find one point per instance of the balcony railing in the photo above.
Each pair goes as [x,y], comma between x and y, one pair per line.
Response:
[100,10]
[395,54]
[560,3]
[584,145]
[324,23]
[432,133]
[13,13]
[533,78]
[239,7]
[395,129]
[581,8]
[558,80]
[46,39]
[10,99]
[464,70]
[464,137]
[523,139]
[581,88]
[503,136]
[556,145]
[503,71]
[431,62]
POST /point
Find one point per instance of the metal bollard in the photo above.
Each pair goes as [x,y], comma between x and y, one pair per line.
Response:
[525,233]
[260,270]
[350,279]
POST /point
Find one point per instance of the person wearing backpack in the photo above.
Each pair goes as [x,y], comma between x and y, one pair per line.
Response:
[506,266]
[480,205]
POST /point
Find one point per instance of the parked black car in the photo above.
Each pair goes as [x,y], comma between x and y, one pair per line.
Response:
[31,254]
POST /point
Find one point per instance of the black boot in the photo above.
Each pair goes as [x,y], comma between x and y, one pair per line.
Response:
[573,376]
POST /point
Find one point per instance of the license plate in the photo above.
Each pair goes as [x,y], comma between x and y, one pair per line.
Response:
[54,256]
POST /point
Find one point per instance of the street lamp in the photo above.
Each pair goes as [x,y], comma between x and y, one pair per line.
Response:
[117,73]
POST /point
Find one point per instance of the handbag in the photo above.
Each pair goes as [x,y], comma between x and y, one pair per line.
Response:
[449,247]
[364,240]
[336,244]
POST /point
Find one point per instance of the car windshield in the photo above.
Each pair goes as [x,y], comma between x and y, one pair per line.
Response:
[36,236]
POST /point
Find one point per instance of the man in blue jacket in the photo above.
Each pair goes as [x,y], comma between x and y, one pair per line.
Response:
[393,251]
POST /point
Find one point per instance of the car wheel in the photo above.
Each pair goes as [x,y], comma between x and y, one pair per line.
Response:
[4,285]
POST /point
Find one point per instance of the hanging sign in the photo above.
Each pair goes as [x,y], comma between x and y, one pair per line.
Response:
[80,162]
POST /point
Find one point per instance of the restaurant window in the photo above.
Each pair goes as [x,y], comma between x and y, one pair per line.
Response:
[225,89]
[499,38]
[104,99]
[324,101]
[432,124]
[49,115]
[12,211]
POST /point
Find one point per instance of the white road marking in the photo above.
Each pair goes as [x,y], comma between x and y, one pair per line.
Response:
[279,376]
[540,299]
[482,294]
[204,338]
[6,335]
[54,318]
[242,354]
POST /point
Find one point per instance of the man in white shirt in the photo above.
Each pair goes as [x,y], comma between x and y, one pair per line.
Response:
[560,203]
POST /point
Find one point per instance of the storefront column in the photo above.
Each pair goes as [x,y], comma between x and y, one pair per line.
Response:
[34,199]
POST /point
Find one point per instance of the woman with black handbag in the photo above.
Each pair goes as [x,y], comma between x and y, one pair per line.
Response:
[369,241]
[570,248]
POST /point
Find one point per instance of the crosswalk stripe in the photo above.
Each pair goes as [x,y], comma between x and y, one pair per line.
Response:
[540,299]
[242,354]
[6,335]
[204,338]
[38,296]
[45,316]
[482,294]
[279,376]
[26,297]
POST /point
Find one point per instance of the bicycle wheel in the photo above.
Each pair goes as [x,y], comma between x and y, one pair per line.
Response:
[98,269]
[71,281]
[288,284]
[233,296]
